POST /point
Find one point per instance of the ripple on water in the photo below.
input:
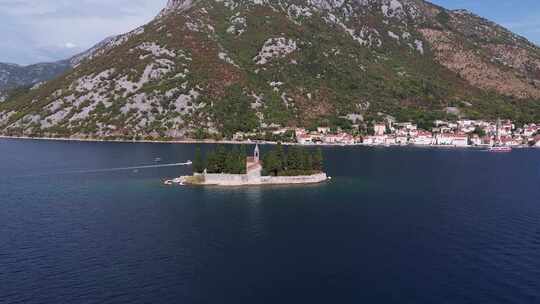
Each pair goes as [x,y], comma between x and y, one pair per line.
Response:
[393,226]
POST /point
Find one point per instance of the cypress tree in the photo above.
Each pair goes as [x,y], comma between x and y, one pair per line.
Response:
[308,165]
[242,155]
[221,158]
[213,163]
[318,160]
[271,163]
[281,157]
[198,162]
[294,159]
[229,165]
[238,161]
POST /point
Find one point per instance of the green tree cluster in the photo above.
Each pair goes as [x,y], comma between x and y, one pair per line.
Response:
[221,160]
[295,161]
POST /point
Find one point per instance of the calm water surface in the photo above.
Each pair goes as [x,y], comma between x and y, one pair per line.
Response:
[394,226]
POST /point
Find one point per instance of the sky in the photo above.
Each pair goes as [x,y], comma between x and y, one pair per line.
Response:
[34,31]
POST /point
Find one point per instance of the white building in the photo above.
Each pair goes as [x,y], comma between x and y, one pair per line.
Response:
[406,125]
[537,141]
[423,138]
[444,139]
[304,139]
[375,140]
[461,140]
[530,130]
[390,141]
[380,129]
[402,140]
[488,141]
[323,130]
[449,139]
[476,140]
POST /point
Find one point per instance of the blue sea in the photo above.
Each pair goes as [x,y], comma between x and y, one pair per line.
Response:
[395,225]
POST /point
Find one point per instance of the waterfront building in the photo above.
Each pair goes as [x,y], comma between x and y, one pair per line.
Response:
[476,140]
[402,140]
[375,140]
[323,130]
[461,140]
[406,125]
[530,130]
[487,140]
[304,139]
[444,139]
[439,123]
[413,133]
[332,138]
[537,141]
[390,141]
[380,129]
[445,129]
[280,131]
[423,138]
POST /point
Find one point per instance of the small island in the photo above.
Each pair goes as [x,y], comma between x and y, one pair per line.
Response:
[232,167]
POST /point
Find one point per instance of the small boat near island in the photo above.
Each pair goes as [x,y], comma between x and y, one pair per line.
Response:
[178,181]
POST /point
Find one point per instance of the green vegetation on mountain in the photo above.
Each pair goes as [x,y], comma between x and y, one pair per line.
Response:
[210,69]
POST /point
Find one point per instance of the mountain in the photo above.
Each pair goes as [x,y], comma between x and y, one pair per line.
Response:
[215,67]
[14,77]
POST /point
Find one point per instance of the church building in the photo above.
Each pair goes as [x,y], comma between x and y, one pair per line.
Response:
[254,164]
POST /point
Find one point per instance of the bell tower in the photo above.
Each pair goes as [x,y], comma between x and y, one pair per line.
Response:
[256,154]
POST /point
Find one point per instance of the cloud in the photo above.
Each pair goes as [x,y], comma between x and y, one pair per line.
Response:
[49,30]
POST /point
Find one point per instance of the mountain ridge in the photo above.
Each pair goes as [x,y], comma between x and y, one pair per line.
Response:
[14,76]
[216,67]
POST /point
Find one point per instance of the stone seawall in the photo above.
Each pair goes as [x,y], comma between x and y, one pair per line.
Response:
[246,180]
[225,179]
[304,179]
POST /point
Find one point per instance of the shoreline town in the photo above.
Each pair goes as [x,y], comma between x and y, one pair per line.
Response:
[460,134]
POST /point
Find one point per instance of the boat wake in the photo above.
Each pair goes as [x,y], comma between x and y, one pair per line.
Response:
[132,168]
[104,170]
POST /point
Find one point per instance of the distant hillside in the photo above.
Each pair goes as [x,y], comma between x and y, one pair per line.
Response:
[215,67]
[14,77]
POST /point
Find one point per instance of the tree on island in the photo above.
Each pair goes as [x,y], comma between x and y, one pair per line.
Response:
[318,160]
[235,161]
[276,162]
[271,164]
[221,160]
[295,161]
[198,162]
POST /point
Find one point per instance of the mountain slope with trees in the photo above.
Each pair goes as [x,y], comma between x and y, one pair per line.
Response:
[211,68]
